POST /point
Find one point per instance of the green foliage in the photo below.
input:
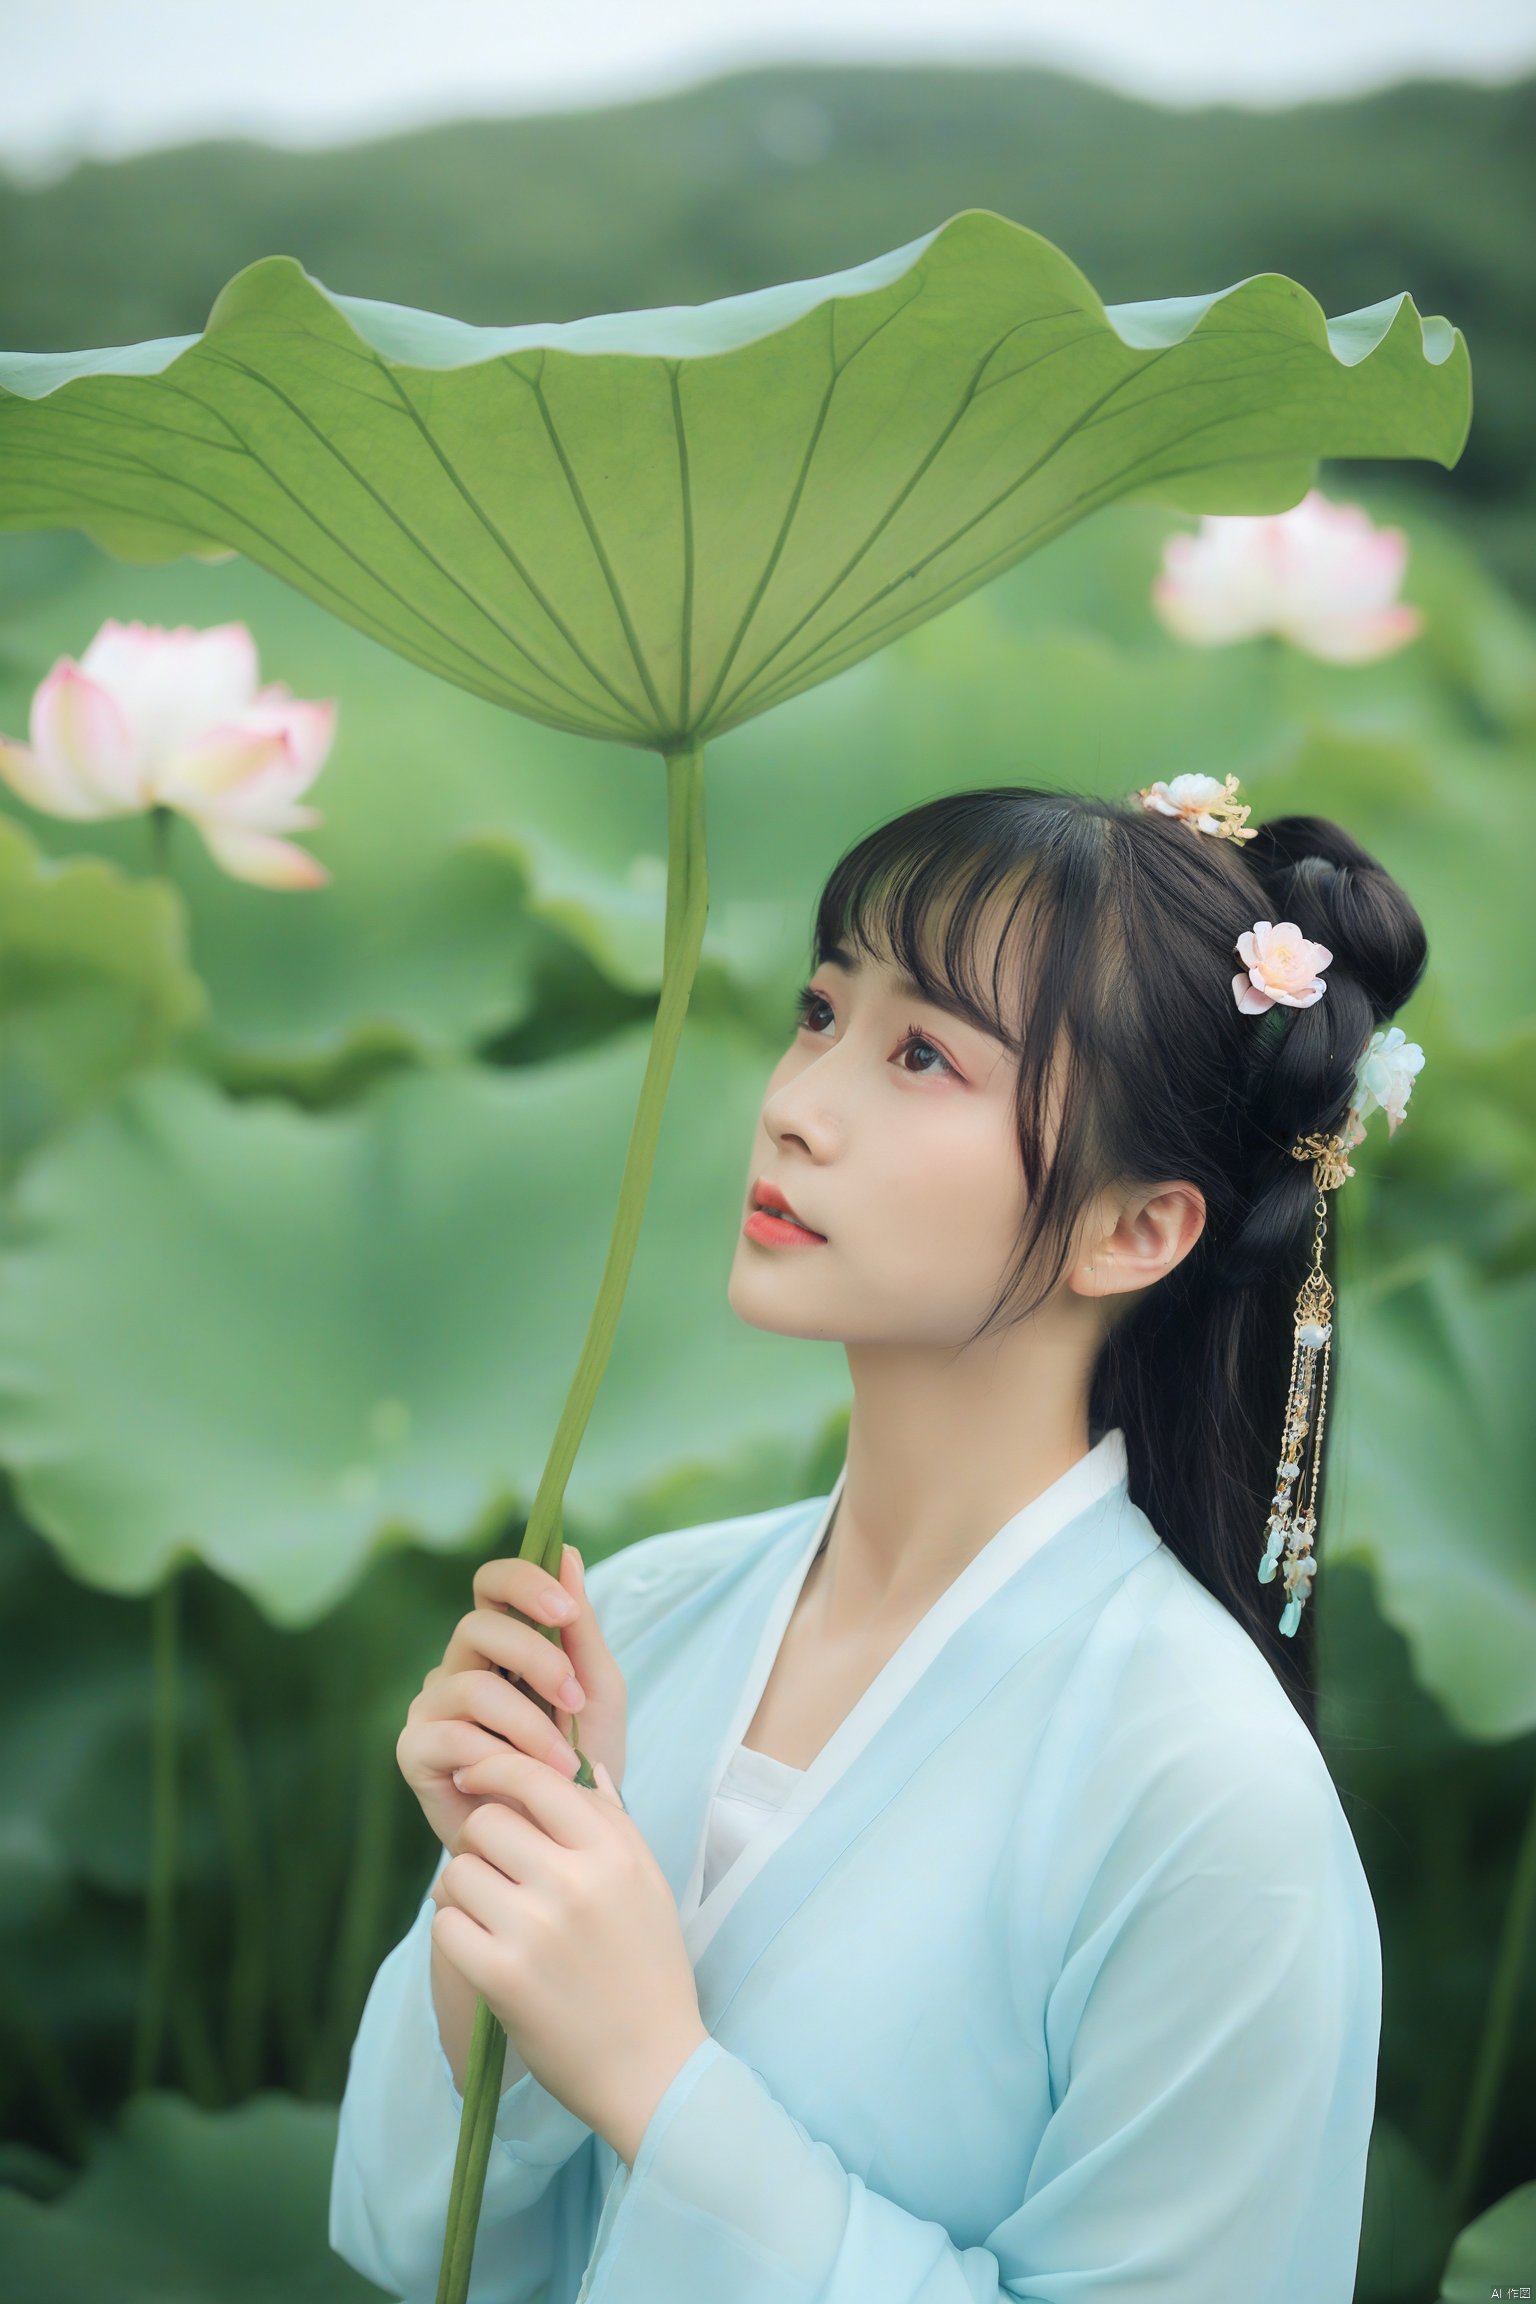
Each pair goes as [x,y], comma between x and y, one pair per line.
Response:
[188,2207]
[363,1322]
[94,982]
[1406,2229]
[1440,1476]
[1500,2248]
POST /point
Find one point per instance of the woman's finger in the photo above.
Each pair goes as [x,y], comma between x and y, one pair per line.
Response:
[490,1636]
[559,1808]
[479,1886]
[440,1746]
[587,1652]
[491,1703]
[522,1584]
[464,1943]
[518,1849]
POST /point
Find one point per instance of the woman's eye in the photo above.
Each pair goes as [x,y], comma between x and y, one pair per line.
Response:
[808,1009]
[914,1039]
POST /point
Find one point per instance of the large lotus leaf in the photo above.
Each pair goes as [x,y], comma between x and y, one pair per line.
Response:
[181,2206]
[1434,1480]
[94,982]
[268,1337]
[1498,2249]
[652,525]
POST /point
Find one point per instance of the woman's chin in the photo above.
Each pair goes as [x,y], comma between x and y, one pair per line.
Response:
[757,1301]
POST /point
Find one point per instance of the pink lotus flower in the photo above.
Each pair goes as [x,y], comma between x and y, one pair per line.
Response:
[174,719]
[1282,966]
[1321,576]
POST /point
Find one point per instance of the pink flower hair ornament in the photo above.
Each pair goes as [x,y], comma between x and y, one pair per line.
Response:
[1280,966]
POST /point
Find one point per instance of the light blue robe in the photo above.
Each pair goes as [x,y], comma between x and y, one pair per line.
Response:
[1057,1979]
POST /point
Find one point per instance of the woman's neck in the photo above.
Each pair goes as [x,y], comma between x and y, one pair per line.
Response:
[944,1446]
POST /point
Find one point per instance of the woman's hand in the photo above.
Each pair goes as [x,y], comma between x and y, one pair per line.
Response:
[467,1712]
[562,1919]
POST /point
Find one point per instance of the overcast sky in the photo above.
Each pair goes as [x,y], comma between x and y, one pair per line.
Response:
[110,76]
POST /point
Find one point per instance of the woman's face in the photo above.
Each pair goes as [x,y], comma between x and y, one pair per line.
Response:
[888,1127]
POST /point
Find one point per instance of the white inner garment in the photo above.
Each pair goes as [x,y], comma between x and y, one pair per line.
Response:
[753,1787]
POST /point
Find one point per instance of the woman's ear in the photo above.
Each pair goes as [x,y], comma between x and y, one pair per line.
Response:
[1149,1235]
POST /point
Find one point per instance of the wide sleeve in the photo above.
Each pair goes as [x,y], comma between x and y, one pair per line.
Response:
[398,2136]
[1211,2036]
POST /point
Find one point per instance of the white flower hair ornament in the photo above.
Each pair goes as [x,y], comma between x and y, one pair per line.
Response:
[1207,803]
[1282,968]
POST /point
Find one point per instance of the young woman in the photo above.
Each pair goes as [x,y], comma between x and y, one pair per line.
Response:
[979,1919]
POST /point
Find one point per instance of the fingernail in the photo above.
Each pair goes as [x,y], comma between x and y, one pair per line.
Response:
[458,1776]
[561,1608]
[581,1573]
[570,1693]
[569,1761]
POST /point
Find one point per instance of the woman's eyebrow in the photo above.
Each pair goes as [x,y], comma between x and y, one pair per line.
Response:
[908,987]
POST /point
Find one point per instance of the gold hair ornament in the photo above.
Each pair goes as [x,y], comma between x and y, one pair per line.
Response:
[1383,1080]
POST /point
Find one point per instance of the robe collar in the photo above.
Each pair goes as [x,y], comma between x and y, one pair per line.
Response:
[1073,1541]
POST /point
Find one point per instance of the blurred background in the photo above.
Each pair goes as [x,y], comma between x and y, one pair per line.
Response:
[291,1285]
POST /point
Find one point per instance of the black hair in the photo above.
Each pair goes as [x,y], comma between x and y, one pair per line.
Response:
[1132,1048]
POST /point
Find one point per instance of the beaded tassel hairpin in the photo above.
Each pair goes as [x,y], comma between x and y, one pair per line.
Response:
[1280,967]
[1293,1524]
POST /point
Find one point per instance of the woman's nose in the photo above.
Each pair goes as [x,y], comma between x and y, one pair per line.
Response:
[803,1110]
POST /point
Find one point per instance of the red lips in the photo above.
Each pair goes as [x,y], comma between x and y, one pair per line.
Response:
[774,1222]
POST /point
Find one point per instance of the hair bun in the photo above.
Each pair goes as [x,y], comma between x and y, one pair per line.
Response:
[1337,893]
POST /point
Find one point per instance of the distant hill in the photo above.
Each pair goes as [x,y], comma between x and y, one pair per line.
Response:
[783,173]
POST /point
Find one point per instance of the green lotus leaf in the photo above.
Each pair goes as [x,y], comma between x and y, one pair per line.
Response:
[270,1338]
[1498,2248]
[1436,1480]
[651,526]
[181,2206]
[94,982]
